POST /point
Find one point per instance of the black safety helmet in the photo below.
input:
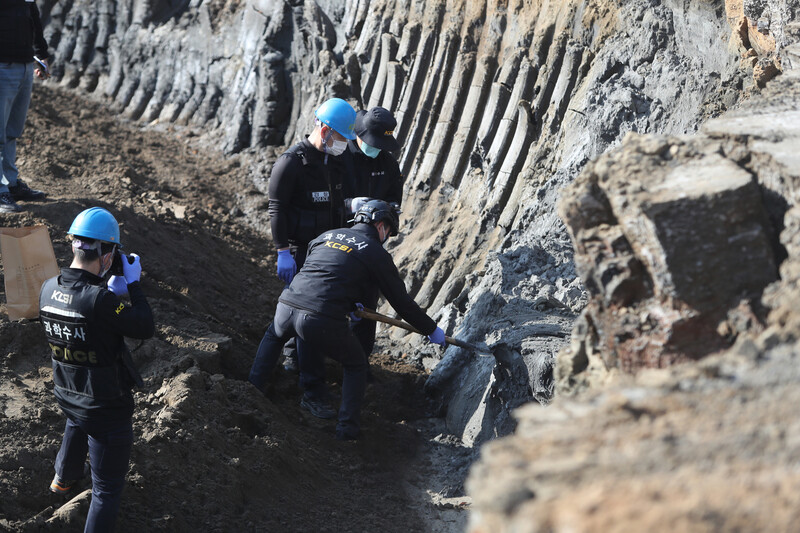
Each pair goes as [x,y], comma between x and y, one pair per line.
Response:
[376,211]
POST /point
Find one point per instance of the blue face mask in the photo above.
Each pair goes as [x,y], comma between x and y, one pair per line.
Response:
[370,151]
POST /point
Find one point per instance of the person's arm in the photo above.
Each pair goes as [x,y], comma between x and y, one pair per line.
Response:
[281,188]
[39,42]
[134,320]
[395,177]
[393,288]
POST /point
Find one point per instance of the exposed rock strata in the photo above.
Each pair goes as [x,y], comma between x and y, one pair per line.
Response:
[703,446]
[671,238]
[498,107]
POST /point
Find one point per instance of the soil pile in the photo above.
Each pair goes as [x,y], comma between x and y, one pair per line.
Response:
[211,453]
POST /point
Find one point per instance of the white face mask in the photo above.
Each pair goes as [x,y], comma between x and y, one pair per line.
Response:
[338,148]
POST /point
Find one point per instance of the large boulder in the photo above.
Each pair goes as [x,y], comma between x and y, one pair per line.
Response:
[670,237]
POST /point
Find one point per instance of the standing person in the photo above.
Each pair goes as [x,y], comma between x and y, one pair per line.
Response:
[307,188]
[85,325]
[21,38]
[343,267]
[378,177]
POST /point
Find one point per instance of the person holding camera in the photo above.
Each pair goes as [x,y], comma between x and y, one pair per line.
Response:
[343,266]
[85,324]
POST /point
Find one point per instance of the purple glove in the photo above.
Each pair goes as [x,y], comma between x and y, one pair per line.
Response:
[286,266]
[132,271]
[118,285]
[353,316]
[437,337]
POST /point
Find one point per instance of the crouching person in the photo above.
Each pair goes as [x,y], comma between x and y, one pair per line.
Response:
[85,324]
[343,267]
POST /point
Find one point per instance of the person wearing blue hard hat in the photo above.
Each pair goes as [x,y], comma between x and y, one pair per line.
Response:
[307,188]
[85,324]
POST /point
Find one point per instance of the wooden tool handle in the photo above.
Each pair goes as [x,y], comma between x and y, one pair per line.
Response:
[374,315]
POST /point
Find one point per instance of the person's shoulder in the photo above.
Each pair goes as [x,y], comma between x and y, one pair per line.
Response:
[291,158]
[388,159]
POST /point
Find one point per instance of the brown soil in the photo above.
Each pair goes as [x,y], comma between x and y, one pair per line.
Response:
[211,453]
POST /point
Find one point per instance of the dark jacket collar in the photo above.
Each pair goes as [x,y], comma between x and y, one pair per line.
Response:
[73,276]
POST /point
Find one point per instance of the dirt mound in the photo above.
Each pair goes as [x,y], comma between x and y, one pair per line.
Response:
[210,453]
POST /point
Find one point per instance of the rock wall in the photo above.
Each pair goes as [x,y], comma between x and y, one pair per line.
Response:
[675,273]
[696,447]
[499,105]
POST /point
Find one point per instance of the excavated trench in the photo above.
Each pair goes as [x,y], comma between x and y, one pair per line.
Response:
[499,107]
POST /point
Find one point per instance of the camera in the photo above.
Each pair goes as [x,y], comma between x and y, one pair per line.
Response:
[116,264]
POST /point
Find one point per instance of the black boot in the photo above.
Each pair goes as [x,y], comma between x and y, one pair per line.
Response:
[21,191]
[7,204]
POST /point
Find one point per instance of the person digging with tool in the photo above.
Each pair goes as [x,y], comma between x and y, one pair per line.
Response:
[377,177]
[343,266]
[307,188]
[85,324]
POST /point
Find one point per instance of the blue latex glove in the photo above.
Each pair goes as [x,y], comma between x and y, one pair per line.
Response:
[118,285]
[286,266]
[437,337]
[132,271]
[353,316]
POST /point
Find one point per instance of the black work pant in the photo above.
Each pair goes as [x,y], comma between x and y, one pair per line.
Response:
[364,329]
[299,254]
[317,336]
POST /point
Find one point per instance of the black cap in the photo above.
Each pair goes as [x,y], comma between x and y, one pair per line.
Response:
[376,128]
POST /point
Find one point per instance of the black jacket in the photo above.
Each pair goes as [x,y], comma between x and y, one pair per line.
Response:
[21,35]
[343,267]
[84,325]
[306,196]
[379,178]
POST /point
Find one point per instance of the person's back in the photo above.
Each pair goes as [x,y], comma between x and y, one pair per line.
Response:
[342,266]
[85,323]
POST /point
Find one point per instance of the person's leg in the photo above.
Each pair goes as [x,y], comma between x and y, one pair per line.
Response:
[11,75]
[312,370]
[364,330]
[72,454]
[109,454]
[290,356]
[317,336]
[269,350]
[354,383]
[15,123]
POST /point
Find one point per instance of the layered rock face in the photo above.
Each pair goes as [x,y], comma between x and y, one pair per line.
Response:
[687,246]
[499,105]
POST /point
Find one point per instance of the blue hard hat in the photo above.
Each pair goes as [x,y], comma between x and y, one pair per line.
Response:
[338,115]
[96,223]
